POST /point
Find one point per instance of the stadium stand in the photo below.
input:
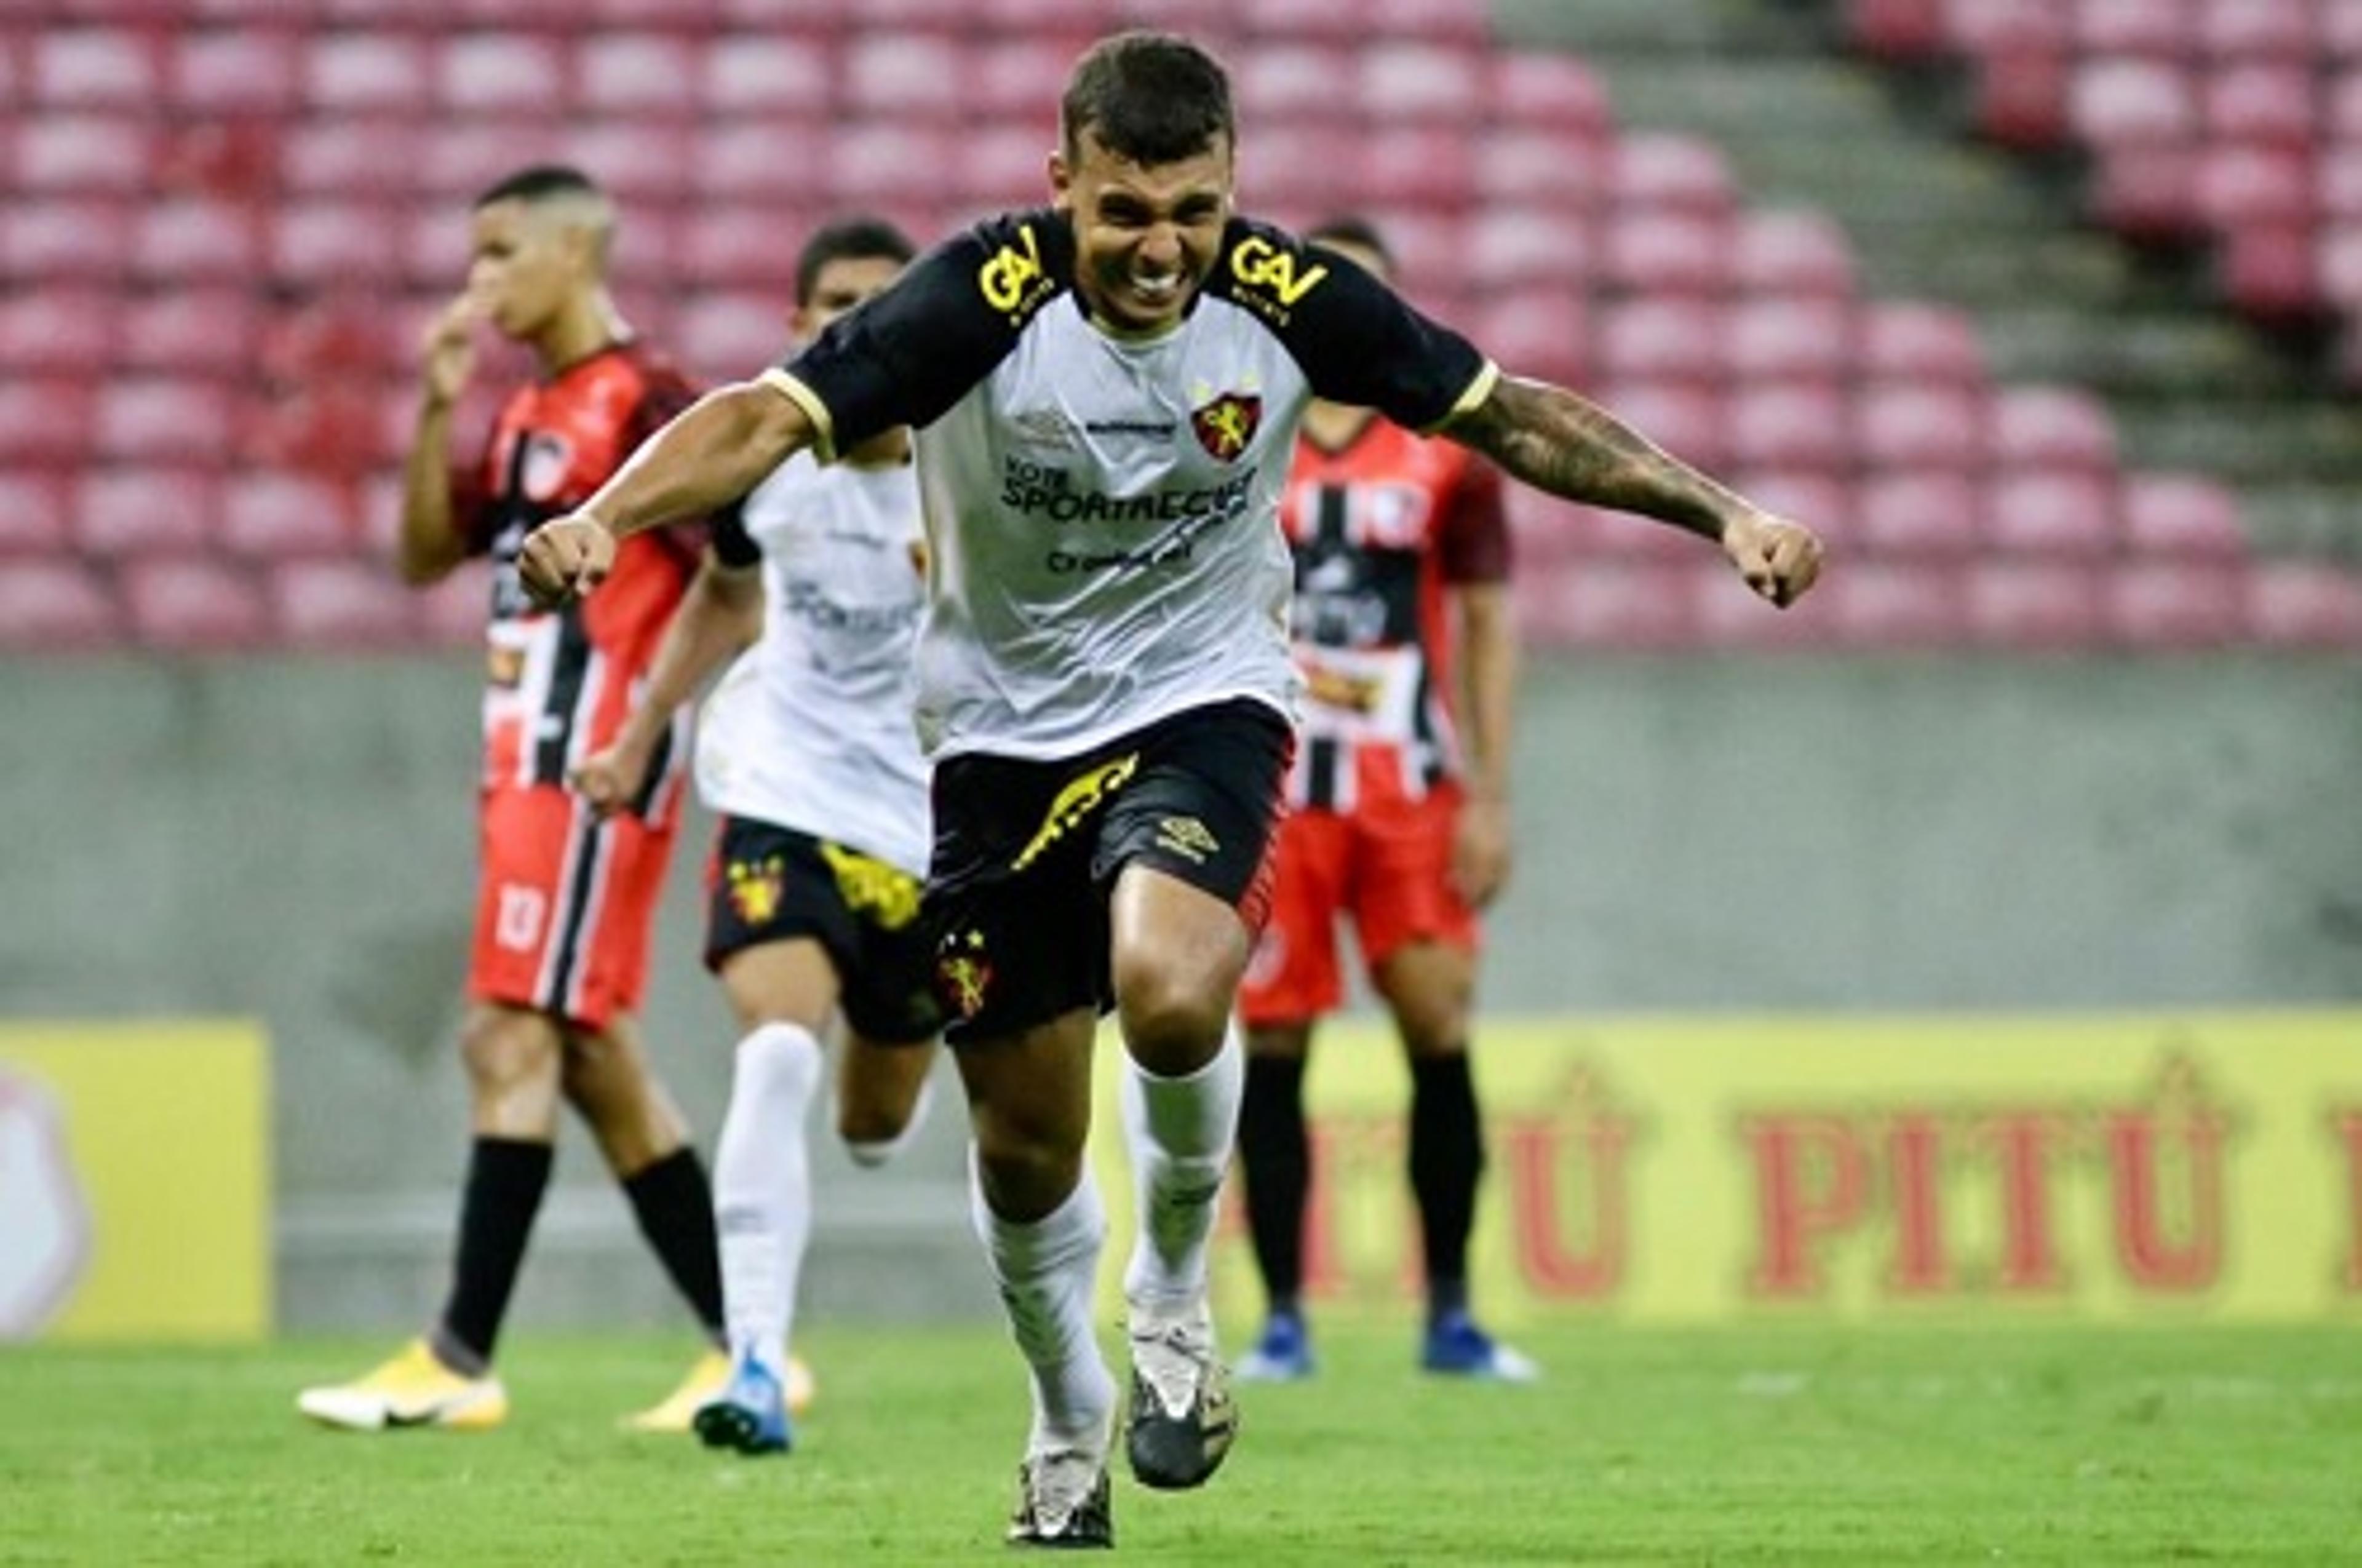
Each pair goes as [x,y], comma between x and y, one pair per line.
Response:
[223,223]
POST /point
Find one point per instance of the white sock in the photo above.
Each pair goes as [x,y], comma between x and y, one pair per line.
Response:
[762,1188]
[1180,1131]
[1046,1271]
[871,1153]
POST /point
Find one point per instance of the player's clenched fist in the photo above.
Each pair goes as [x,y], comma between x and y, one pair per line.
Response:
[564,560]
[1780,559]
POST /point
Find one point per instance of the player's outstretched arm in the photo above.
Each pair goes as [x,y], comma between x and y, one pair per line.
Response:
[1557,441]
[719,618]
[719,448]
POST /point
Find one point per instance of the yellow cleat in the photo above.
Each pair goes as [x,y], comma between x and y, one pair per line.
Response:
[676,1412]
[413,1389]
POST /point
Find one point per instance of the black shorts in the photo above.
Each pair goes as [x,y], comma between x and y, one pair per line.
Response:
[1026,852]
[773,884]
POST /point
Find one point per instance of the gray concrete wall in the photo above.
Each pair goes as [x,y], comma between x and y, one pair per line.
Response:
[292,839]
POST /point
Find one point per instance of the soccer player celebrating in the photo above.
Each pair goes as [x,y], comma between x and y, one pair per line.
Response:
[566,900]
[1105,392]
[1394,819]
[808,754]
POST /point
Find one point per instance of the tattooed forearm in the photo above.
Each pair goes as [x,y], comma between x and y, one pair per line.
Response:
[1556,441]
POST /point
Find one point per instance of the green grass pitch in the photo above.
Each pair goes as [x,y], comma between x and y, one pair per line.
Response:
[1989,1445]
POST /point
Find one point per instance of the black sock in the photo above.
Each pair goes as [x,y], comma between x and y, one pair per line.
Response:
[674,1205]
[1447,1156]
[507,1177]
[1276,1158]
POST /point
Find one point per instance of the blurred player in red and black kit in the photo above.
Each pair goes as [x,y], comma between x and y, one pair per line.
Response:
[1399,821]
[567,898]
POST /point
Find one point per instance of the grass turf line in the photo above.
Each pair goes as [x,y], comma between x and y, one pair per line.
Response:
[1753,1445]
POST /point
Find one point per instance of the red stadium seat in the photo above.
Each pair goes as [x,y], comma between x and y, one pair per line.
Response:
[33,512]
[1895,29]
[64,329]
[1566,170]
[243,71]
[1689,419]
[1639,606]
[1662,340]
[904,76]
[761,159]
[339,604]
[2271,273]
[1798,427]
[132,510]
[1018,77]
[209,331]
[1793,253]
[1292,84]
[1509,247]
[2035,606]
[1775,340]
[782,77]
[2163,28]
[1341,19]
[2181,515]
[2052,428]
[56,604]
[2120,102]
[1425,166]
[454,162]
[2148,192]
[2025,96]
[319,243]
[502,74]
[2302,604]
[1421,84]
[723,335]
[1429,251]
[1921,343]
[1823,503]
[1548,91]
[95,67]
[637,76]
[869,162]
[1540,332]
[1732,615]
[1903,425]
[1464,22]
[196,239]
[2339,181]
[1293,166]
[908,17]
[2243,184]
[44,421]
[350,73]
[643,165]
[2176,604]
[1890,605]
[1990,27]
[2272,105]
[452,614]
[2341,32]
[738,249]
[2062,514]
[1004,166]
[84,155]
[193,604]
[349,157]
[277,516]
[1658,172]
[158,419]
[1920,515]
[80,242]
[1051,19]
[1544,531]
[1668,251]
[2281,30]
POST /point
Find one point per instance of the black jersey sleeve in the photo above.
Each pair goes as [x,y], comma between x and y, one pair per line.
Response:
[733,546]
[1357,340]
[908,355]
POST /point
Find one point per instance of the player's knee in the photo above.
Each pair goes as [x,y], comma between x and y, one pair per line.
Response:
[505,1053]
[868,1130]
[1173,1016]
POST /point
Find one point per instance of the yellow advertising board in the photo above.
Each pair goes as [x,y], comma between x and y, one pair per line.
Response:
[134,1181]
[2205,1167]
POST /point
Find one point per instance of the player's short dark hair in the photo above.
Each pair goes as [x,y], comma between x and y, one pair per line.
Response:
[1150,97]
[858,238]
[539,183]
[1351,228]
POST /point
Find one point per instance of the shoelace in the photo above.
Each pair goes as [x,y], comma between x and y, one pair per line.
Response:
[1178,1356]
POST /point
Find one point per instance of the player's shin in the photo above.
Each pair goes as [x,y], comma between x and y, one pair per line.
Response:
[762,1188]
[1046,1270]
[1180,1131]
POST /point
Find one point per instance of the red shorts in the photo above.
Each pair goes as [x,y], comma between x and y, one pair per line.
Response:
[1388,866]
[565,905]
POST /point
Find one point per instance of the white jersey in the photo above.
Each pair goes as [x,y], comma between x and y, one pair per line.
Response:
[810,729]
[1102,513]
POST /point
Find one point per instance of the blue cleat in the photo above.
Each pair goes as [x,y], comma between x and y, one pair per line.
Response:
[1283,1355]
[750,1414]
[1456,1347]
